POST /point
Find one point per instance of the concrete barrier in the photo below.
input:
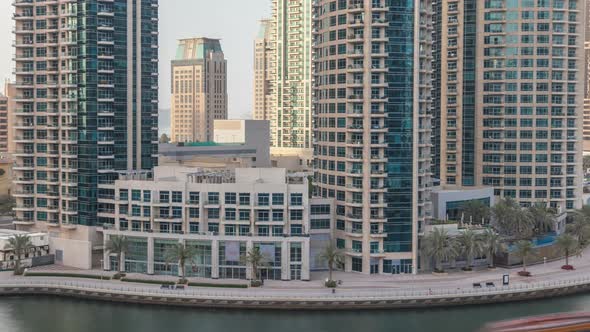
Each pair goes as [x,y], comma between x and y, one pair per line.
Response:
[278,301]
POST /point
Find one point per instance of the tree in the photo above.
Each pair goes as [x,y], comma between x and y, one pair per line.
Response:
[164,138]
[333,256]
[118,245]
[181,254]
[492,245]
[476,211]
[19,244]
[580,229]
[543,217]
[567,243]
[511,220]
[470,245]
[523,250]
[438,245]
[256,259]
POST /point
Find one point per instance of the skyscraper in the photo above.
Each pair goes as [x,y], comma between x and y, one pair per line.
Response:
[3,123]
[511,98]
[199,89]
[291,74]
[262,72]
[85,105]
[372,127]
[586,124]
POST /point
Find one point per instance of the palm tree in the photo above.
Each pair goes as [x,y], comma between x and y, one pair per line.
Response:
[476,211]
[438,245]
[181,254]
[19,244]
[256,259]
[492,244]
[567,244]
[118,245]
[523,250]
[543,217]
[580,227]
[470,245]
[333,256]
[512,220]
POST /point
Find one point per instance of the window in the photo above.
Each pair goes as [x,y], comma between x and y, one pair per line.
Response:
[123,194]
[230,214]
[164,197]
[297,199]
[320,224]
[277,215]
[295,252]
[136,195]
[193,213]
[176,197]
[244,199]
[320,209]
[213,214]
[230,198]
[296,230]
[194,197]
[278,199]
[263,199]
[296,215]
[244,215]
[213,198]
[147,196]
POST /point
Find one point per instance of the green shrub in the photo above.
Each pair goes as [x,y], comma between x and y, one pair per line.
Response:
[69,275]
[330,284]
[203,284]
[146,281]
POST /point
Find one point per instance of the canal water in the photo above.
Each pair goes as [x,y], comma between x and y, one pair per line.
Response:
[48,314]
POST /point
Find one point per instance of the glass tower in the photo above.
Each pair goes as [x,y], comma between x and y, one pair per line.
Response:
[86,104]
[373,127]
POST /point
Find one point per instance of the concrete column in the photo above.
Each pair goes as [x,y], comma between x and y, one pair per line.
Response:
[305,260]
[150,255]
[106,258]
[249,246]
[215,259]
[285,261]
[181,241]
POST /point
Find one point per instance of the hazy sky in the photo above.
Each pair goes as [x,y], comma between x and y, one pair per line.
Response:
[234,21]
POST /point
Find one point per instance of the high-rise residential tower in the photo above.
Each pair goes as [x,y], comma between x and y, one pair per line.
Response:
[290,68]
[199,89]
[587,81]
[372,127]
[4,129]
[510,110]
[85,105]
[262,72]
[10,93]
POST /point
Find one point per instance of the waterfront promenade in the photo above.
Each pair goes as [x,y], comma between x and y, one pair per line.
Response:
[356,292]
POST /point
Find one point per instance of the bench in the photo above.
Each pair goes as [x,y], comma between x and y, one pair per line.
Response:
[476,285]
[179,286]
[165,287]
[490,284]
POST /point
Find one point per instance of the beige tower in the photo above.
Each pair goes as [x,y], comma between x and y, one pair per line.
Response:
[262,73]
[372,128]
[10,93]
[587,81]
[509,98]
[4,129]
[199,89]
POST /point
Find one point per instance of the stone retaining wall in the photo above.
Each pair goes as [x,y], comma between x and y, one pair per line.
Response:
[327,302]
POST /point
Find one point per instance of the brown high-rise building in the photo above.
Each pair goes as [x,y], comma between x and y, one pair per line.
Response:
[199,89]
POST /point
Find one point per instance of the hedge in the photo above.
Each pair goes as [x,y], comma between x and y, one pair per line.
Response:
[69,275]
[203,284]
[146,281]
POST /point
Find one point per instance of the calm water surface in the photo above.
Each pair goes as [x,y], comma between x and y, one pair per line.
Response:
[47,314]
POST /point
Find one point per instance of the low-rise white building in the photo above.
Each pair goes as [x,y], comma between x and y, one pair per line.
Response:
[221,213]
[37,254]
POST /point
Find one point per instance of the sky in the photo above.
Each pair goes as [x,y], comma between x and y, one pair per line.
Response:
[235,22]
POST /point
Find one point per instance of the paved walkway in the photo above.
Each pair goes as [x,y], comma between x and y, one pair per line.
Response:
[354,282]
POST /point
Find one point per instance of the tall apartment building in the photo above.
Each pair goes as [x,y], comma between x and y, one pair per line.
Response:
[262,72]
[85,104]
[4,128]
[587,82]
[10,93]
[372,127]
[291,66]
[511,103]
[199,89]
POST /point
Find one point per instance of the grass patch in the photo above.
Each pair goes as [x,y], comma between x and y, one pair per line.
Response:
[204,284]
[145,281]
[69,275]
